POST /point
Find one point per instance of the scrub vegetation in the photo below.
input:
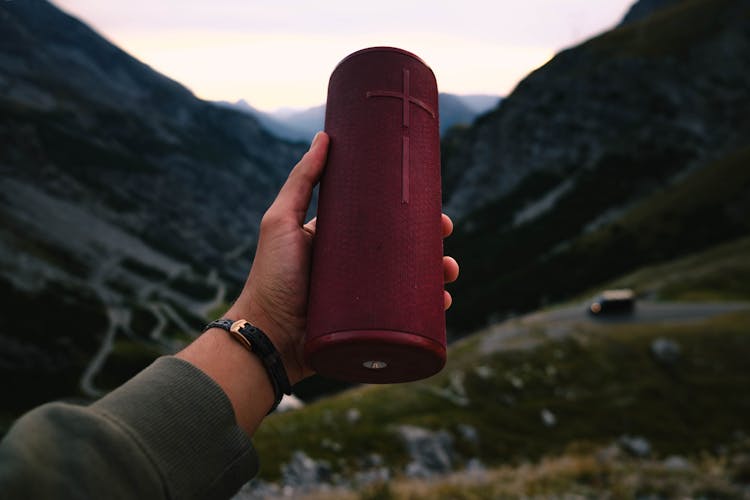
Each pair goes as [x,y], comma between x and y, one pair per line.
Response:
[601,382]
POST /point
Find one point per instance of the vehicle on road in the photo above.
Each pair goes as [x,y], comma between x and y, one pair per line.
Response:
[613,302]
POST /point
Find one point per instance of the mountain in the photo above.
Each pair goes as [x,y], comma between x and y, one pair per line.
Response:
[454,112]
[628,149]
[277,124]
[481,103]
[305,122]
[129,207]
[644,8]
[302,125]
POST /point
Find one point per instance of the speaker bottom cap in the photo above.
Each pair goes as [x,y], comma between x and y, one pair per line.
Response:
[375,356]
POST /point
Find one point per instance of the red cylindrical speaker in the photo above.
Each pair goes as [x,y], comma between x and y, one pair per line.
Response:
[375,311]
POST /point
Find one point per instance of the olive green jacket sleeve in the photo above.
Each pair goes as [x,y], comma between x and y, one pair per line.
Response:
[170,432]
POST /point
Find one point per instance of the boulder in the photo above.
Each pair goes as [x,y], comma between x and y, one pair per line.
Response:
[303,472]
[548,418]
[665,351]
[431,452]
[637,446]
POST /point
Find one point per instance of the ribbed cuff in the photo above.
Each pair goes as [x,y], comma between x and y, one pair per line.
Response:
[185,424]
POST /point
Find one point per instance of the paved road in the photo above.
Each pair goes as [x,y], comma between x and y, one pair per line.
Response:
[527,331]
[645,312]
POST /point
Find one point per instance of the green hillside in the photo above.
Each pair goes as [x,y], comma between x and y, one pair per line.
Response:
[600,383]
[721,273]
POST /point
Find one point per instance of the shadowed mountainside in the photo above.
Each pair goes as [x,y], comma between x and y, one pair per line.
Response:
[626,150]
[129,207]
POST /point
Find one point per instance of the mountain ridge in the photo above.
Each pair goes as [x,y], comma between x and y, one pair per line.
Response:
[295,125]
[568,95]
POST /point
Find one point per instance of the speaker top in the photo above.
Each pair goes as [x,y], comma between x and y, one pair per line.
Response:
[383,49]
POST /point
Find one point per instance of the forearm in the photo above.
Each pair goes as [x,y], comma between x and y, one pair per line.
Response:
[237,371]
[170,432]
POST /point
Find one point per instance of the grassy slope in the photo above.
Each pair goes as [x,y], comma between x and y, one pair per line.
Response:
[600,383]
[605,384]
[601,473]
[718,274]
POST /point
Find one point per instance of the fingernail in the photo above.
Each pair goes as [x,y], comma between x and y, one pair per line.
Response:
[315,140]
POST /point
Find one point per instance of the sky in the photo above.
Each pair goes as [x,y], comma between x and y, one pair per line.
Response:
[279,54]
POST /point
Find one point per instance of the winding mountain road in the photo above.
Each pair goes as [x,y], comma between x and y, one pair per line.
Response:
[120,316]
[645,312]
[529,330]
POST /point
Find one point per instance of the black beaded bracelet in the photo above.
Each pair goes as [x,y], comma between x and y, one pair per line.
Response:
[255,341]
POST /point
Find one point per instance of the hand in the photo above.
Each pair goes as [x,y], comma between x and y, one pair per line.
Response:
[275,294]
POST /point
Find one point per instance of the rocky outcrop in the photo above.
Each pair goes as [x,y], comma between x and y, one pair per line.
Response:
[85,123]
[665,351]
[672,89]
[431,452]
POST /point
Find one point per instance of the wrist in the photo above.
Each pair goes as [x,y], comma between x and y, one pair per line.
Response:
[284,340]
[255,341]
[239,373]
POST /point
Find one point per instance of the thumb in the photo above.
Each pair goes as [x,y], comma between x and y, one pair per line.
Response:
[294,196]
